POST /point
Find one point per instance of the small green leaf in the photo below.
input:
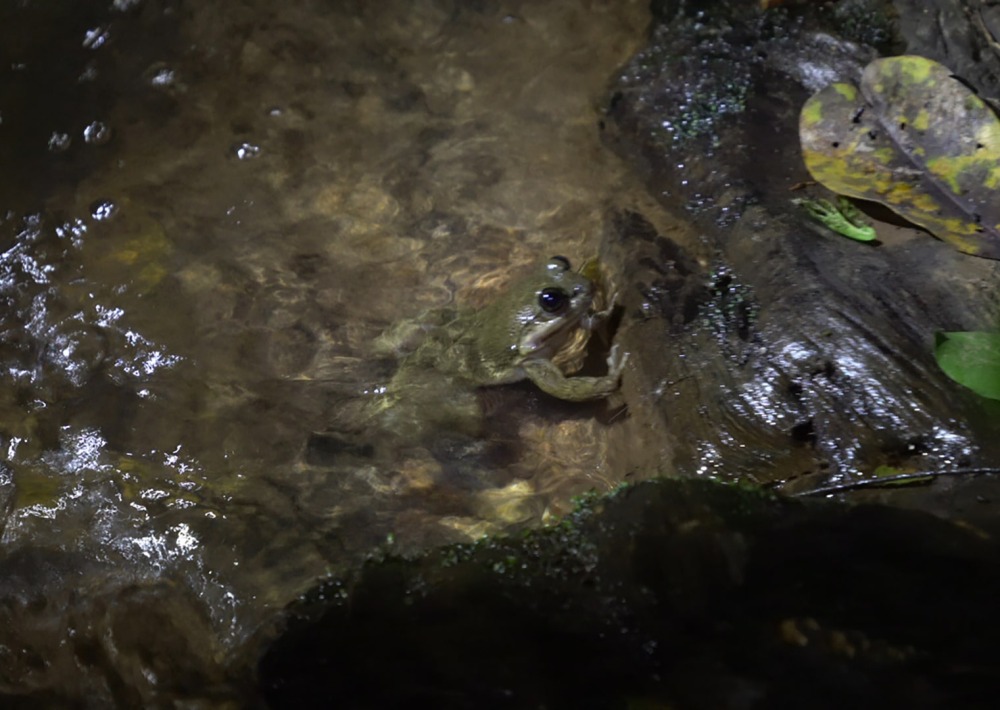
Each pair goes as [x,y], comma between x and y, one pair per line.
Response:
[843,218]
[971,359]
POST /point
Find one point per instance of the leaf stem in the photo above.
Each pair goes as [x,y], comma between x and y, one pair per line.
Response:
[884,481]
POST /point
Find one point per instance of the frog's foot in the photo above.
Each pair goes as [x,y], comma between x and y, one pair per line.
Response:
[616,362]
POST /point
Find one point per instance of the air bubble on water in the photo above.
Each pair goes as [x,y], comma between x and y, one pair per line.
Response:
[73,230]
[246,151]
[96,133]
[58,142]
[103,209]
[96,37]
[88,74]
[161,76]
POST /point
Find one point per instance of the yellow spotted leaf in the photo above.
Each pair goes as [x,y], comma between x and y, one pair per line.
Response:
[916,139]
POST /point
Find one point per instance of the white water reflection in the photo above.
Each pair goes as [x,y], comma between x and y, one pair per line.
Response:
[161,551]
[79,451]
[147,357]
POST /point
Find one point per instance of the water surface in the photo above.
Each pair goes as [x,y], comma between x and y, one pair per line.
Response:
[208,214]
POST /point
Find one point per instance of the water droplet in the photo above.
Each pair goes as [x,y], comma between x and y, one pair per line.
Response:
[58,142]
[246,151]
[103,209]
[96,133]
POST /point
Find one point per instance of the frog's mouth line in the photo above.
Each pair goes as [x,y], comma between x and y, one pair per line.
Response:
[549,337]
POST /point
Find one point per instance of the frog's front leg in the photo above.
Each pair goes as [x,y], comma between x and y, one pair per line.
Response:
[550,379]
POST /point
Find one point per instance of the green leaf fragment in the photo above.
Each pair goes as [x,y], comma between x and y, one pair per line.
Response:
[886,471]
[902,475]
[971,359]
[843,218]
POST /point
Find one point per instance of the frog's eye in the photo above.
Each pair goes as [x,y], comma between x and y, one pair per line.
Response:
[553,300]
[559,263]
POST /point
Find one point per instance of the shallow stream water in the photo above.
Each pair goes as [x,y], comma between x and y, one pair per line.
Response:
[209,211]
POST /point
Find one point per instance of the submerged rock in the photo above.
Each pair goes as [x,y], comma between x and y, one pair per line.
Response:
[670,593]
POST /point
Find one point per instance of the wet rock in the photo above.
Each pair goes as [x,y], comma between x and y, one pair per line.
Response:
[806,355]
[961,34]
[141,645]
[671,593]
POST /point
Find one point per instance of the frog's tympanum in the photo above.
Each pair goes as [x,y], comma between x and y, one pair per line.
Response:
[537,330]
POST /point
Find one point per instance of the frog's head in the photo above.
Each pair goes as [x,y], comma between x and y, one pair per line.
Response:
[551,304]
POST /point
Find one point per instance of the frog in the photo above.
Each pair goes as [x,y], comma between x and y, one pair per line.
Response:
[537,330]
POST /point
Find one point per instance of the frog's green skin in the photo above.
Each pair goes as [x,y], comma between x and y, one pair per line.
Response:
[522,335]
